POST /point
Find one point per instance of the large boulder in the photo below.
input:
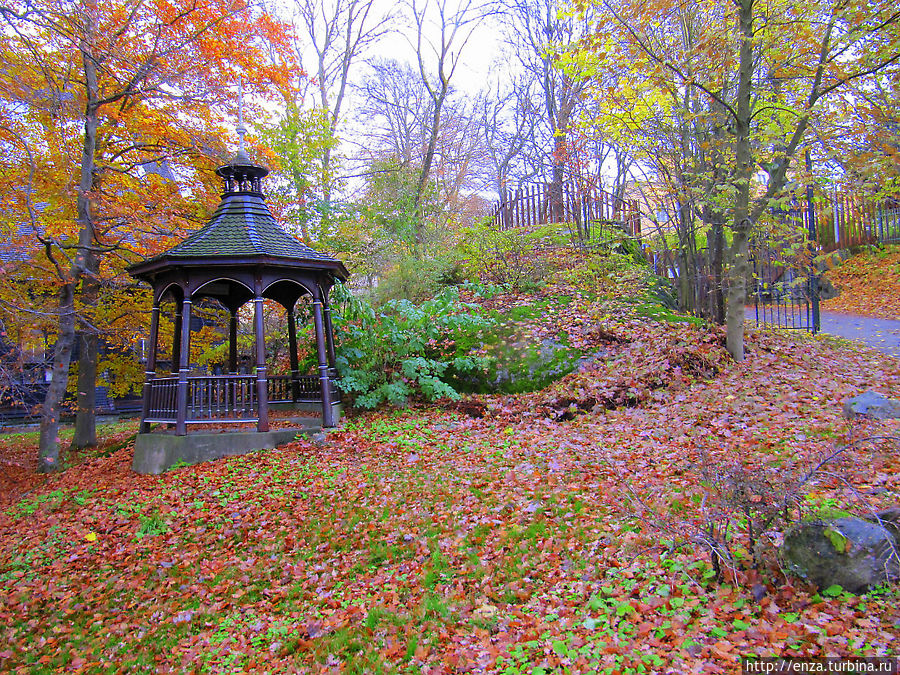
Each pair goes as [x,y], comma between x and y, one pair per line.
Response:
[851,552]
[872,404]
[889,519]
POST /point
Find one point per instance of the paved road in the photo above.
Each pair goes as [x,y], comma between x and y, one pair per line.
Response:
[882,334]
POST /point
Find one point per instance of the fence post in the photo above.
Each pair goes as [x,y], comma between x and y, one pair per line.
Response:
[813,277]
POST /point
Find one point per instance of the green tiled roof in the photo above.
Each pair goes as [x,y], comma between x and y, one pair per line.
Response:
[243,226]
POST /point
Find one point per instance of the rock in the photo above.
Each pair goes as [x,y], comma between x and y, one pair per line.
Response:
[872,404]
[850,552]
[827,290]
[320,439]
[889,519]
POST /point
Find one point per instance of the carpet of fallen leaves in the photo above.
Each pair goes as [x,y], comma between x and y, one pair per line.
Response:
[496,534]
[869,283]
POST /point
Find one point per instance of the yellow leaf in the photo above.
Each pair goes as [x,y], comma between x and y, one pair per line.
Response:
[91,536]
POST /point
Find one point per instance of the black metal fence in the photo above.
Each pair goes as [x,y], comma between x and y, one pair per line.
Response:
[785,285]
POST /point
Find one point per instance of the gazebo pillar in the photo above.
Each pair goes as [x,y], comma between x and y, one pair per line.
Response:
[324,380]
[262,396]
[329,334]
[150,371]
[232,342]
[183,367]
[176,339]
[292,350]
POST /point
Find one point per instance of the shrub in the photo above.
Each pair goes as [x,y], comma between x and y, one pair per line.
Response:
[412,278]
[404,349]
[507,257]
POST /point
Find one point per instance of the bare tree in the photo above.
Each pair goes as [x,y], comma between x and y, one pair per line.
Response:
[340,33]
[507,124]
[535,28]
[400,111]
[441,35]
[399,108]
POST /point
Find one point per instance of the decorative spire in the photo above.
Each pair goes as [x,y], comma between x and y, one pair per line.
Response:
[241,129]
[242,176]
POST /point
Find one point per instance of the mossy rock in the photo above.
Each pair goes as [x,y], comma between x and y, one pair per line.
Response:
[848,552]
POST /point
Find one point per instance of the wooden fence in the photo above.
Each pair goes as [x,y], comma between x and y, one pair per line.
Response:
[586,208]
[843,220]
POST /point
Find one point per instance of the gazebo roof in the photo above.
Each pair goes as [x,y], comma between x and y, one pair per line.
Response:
[242,232]
[243,226]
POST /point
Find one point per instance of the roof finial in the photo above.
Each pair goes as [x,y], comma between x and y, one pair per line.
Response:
[241,129]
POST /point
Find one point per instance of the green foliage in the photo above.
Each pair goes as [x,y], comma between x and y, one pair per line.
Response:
[390,199]
[301,139]
[404,349]
[52,500]
[510,257]
[413,278]
[152,526]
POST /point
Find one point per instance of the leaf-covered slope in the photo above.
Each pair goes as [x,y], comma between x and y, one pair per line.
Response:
[434,541]
[869,283]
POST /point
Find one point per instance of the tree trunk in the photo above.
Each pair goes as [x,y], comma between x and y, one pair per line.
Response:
[88,356]
[48,449]
[740,262]
[558,177]
[426,165]
[86,393]
[48,444]
[718,255]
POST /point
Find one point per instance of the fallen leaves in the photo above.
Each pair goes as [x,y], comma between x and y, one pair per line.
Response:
[483,536]
[869,283]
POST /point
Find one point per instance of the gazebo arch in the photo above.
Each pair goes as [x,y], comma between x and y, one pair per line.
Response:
[240,256]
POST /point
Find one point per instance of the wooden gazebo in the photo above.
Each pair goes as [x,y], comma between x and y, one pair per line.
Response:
[242,255]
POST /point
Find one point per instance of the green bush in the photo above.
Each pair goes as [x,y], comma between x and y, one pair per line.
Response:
[507,257]
[413,278]
[404,350]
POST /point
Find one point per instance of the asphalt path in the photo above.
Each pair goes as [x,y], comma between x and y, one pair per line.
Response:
[882,334]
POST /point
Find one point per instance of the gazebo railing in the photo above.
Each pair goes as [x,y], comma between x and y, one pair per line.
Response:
[227,398]
[210,398]
[305,389]
[162,395]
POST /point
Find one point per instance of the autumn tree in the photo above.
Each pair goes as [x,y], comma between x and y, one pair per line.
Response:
[759,72]
[101,93]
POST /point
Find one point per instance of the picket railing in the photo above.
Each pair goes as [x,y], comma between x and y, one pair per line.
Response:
[844,220]
[587,208]
[227,398]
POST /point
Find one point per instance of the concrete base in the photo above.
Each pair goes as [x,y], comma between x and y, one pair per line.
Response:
[157,451]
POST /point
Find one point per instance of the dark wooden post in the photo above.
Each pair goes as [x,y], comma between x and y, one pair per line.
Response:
[232,343]
[324,380]
[176,339]
[292,349]
[329,335]
[183,367]
[262,395]
[150,372]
